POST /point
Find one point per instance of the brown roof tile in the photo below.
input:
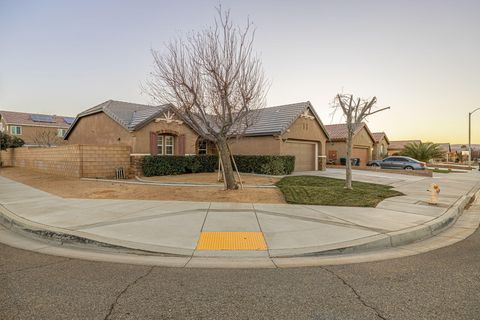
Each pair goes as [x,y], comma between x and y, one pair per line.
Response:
[22,118]
[377,136]
[400,144]
[338,132]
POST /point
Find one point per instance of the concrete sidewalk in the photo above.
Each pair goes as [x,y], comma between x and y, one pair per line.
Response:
[174,228]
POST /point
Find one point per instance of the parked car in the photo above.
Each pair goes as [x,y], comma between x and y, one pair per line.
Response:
[397,162]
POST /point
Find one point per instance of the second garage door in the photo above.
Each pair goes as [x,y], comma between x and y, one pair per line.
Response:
[304,155]
[362,154]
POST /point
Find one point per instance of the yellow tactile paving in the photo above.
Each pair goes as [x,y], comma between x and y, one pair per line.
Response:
[231,241]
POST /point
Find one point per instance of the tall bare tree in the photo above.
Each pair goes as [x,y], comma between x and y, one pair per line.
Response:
[214,81]
[46,138]
[355,112]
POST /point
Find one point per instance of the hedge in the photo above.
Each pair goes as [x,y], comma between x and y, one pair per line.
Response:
[172,165]
[272,165]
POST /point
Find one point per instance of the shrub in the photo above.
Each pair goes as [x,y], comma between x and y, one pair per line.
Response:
[172,165]
[7,141]
[273,165]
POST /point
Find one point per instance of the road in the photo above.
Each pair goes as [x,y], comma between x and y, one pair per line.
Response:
[441,284]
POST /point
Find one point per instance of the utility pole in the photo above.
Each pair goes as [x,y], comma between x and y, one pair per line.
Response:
[470,136]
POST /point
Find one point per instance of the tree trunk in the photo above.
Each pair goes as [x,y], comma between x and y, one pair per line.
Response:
[348,164]
[224,151]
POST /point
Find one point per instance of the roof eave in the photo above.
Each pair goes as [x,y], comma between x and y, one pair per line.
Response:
[272,133]
[308,105]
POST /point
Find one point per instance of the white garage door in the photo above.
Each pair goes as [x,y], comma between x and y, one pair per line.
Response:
[304,155]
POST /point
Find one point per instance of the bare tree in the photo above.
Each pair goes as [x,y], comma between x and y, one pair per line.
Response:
[214,81]
[355,112]
[46,138]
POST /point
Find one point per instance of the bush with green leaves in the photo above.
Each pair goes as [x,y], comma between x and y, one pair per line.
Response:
[172,165]
[423,151]
[271,165]
[8,141]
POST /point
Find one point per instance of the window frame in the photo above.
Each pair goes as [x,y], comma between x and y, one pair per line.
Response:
[16,127]
[160,142]
[201,150]
[172,145]
[62,131]
[163,145]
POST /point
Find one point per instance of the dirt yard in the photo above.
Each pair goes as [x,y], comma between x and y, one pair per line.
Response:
[76,188]
[211,177]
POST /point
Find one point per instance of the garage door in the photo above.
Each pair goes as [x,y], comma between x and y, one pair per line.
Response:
[362,154]
[304,155]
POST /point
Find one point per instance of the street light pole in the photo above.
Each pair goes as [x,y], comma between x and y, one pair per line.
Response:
[470,135]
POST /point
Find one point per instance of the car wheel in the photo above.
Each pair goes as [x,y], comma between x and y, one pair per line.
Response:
[375,165]
[408,168]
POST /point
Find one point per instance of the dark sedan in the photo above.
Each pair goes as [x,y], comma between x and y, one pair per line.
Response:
[397,162]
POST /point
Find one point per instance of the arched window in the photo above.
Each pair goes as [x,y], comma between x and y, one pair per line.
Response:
[202,146]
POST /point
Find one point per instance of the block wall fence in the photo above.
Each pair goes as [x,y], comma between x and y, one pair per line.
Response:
[78,161]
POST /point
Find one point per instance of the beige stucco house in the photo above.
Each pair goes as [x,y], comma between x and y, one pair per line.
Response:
[363,143]
[293,129]
[35,129]
[380,148]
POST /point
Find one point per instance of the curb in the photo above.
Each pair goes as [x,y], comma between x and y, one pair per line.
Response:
[139,181]
[61,237]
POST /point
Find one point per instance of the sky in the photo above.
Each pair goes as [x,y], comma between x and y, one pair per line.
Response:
[421,58]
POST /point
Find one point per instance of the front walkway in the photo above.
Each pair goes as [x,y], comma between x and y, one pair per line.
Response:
[173,227]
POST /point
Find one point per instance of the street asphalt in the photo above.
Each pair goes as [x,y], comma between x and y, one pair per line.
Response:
[440,284]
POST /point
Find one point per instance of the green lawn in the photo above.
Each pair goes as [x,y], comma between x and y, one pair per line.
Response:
[447,171]
[331,192]
[441,170]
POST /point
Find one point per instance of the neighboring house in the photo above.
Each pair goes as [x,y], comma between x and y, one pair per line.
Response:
[35,129]
[448,155]
[380,148]
[396,147]
[293,129]
[363,143]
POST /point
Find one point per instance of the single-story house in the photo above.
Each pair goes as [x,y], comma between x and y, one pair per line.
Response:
[448,155]
[381,145]
[363,143]
[35,129]
[293,129]
[396,147]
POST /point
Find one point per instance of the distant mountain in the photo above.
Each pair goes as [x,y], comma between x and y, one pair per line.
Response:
[456,147]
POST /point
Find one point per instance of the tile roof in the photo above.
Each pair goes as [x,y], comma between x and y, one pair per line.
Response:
[269,121]
[400,144]
[130,116]
[276,120]
[338,132]
[377,136]
[23,118]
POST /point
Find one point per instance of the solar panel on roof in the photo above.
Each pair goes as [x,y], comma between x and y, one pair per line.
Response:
[41,118]
[68,120]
